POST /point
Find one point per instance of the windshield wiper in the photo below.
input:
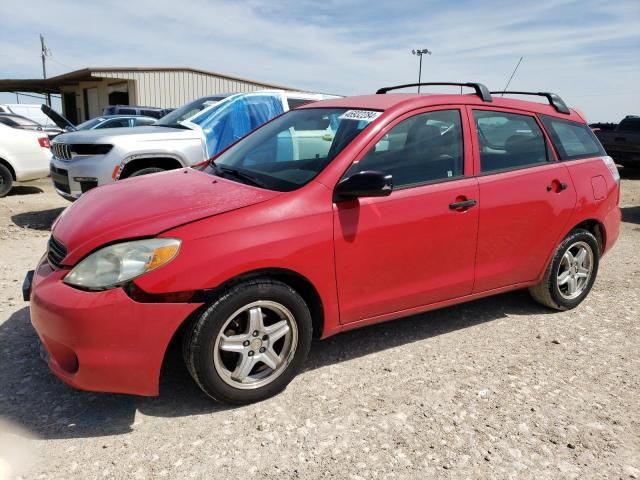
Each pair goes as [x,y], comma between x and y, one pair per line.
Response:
[223,171]
[172,125]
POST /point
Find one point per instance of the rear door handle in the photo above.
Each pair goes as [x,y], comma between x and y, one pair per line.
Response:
[462,204]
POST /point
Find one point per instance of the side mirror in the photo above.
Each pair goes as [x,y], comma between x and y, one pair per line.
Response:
[364,184]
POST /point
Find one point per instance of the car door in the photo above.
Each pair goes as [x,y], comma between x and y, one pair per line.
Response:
[416,246]
[526,197]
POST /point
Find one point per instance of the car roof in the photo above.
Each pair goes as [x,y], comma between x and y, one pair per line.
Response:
[410,101]
[15,115]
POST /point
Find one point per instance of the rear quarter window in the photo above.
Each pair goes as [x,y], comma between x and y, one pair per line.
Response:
[572,140]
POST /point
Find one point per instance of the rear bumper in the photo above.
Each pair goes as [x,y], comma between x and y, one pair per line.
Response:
[102,341]
[612,227]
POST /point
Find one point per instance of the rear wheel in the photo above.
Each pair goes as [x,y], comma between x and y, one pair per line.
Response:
[250,343]
[6,180]
[146,171]
[571,273]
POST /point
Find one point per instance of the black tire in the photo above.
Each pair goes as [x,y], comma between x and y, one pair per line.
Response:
[6,180]
[146,171]
[199,342]
[548,292]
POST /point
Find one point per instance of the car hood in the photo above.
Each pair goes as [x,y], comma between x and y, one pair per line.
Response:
[146,206]
[115,135]
[58,119]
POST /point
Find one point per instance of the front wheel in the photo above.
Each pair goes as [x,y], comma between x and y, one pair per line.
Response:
[250,343]
[571,273]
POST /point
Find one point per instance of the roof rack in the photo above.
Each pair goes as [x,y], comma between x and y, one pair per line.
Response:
[555,101]
[480,89]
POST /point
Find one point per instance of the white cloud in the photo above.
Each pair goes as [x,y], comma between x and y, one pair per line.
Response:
[347,47]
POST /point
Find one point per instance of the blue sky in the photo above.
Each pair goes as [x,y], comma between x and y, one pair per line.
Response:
[586,51]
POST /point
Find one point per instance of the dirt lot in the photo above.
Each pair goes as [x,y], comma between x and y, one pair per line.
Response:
[497,388]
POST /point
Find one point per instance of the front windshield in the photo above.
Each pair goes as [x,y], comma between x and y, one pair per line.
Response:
[291,150]
[174,118]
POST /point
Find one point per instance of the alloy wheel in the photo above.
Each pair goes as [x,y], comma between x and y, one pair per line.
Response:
[255,345]
[575,269]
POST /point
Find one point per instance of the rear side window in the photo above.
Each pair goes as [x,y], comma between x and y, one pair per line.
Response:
[151,113]
[572,140]
[115,123]
[508,141]
[127,111]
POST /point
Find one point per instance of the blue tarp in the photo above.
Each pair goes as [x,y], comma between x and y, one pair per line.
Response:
[234,117]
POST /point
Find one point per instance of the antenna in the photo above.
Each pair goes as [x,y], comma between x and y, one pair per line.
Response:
[44,53]
[511,77]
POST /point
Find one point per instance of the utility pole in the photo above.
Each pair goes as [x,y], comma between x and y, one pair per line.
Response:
[419,53]
[44,53]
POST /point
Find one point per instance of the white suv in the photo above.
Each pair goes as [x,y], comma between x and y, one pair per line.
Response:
[185,137]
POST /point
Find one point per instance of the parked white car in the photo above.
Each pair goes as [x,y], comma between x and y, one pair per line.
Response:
[24,155]
[29,110]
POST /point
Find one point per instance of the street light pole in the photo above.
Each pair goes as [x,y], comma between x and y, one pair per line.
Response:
[419,52]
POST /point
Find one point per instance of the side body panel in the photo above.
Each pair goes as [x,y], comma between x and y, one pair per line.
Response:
[522,215]
[292,232]
[605,210]
[408,249]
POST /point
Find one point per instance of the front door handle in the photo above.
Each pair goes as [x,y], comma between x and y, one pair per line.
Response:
[464,204]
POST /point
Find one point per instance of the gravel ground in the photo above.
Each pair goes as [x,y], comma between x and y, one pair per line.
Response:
[496,388]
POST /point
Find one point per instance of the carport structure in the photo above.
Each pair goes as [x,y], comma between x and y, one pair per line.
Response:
[85,92]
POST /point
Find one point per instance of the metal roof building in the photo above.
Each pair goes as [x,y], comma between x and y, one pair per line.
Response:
[85,92]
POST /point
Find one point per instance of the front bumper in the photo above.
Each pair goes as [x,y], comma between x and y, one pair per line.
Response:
[71,177]
[102,341]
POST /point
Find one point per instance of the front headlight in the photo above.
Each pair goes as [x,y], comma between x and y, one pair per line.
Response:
[116,264]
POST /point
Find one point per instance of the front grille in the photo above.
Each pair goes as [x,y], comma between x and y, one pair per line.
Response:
[60,178]
[56,252]
[61,150]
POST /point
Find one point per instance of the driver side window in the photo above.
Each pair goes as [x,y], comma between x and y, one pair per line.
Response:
[421,149]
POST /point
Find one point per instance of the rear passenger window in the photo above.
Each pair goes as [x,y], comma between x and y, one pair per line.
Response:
[508,141]
[572,140]
[420,149]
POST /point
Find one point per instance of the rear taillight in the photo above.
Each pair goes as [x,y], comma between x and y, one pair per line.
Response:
[44,142]
[611,165]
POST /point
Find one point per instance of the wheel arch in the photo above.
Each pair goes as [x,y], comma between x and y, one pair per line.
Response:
[592,225]
[127,167]
[9,167]
[295,280]
[597,228]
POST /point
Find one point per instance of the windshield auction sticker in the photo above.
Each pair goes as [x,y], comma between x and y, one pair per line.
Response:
[366,115]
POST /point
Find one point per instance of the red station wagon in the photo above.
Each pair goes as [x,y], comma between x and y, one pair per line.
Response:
[333,216]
